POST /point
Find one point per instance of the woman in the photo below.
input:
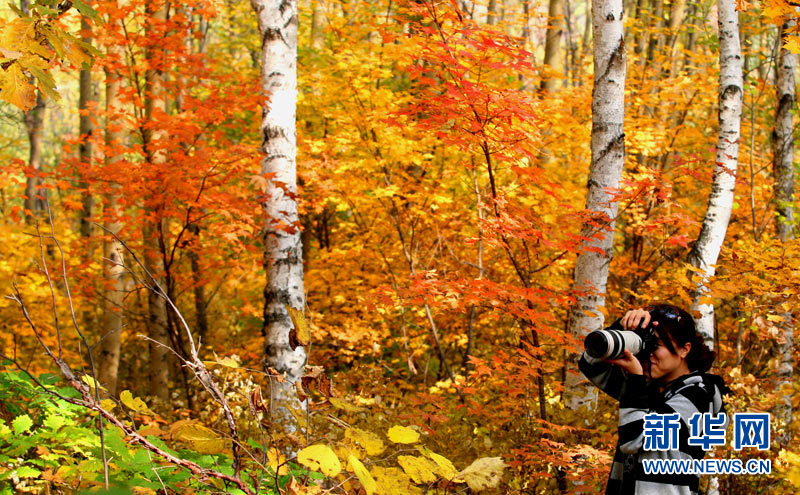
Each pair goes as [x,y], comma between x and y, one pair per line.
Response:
[673,380]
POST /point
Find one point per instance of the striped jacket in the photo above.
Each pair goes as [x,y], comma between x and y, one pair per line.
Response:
[638,396]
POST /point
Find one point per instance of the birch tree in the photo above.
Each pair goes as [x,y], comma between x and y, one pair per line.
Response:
[784,142]
[784,204]
[283,253]
[705,252]
[608,153]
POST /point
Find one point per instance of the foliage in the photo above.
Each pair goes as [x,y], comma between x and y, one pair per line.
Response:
[441,196]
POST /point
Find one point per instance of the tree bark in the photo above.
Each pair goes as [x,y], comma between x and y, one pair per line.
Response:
[113,270]
[608,153]
[491,13]
[201,317]
[676,15]
[283,253]
[34,125]
[317,25]
[784,143]
[552,46]
[784,204]
[86,129]
[153,224]
[706,249]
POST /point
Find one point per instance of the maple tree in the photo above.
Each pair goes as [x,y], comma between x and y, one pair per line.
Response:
[433,218]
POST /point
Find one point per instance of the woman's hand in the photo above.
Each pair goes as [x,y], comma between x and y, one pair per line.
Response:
[634,317]
[629,363]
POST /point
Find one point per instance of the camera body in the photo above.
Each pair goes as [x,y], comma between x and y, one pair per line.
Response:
[611,343]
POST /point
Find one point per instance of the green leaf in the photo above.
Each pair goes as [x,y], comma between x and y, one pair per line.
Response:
[21,424]
[87,10]
[27,472]
[54,422]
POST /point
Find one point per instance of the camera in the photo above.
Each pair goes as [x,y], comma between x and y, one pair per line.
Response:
[611,342]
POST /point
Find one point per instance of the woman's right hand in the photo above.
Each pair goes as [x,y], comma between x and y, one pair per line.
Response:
[634,318]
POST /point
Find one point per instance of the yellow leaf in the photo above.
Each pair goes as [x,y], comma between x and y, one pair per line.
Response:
[88,380]
[135,403]
[371,443]
[445,468]
[320,458]
[344,405]
[483,473]
[393,481]
[203,440]
[301,334]
[16,89]
[75,52]
[793,45]
[402,434]
[17,34]
[277,462]
[776,318]
[366,479]
[229,362]
[419,469]
[108,404]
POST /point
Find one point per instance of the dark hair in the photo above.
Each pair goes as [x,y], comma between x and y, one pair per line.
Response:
[676,325]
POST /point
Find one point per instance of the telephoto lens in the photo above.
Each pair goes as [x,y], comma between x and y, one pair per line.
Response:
[611,344]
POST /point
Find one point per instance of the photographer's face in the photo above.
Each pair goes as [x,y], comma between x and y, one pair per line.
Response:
[666,366]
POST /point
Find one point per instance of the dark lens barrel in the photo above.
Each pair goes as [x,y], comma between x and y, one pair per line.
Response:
[598,345]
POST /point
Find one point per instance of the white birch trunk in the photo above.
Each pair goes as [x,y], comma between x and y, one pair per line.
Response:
[784,199]
[608,153]
[705,252]
[784,142]
[283,253]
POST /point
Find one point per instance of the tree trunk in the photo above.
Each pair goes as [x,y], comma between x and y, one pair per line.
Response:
[552,46]
[676,15]
[34,125]
[283,253]
[491,13]
[705,252]
[153,224]
[784,143]
[201,318]
[784,199]
[317,25]
[113,270]
[86,129]
[608,153]
[691,40]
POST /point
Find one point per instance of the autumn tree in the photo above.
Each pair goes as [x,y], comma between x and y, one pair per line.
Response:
[283,252]
[155,224]
[783,172]
[706,250]
[113,255]
[34,124]
[608,154]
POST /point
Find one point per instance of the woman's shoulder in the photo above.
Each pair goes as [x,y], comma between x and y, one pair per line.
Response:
[705,391]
